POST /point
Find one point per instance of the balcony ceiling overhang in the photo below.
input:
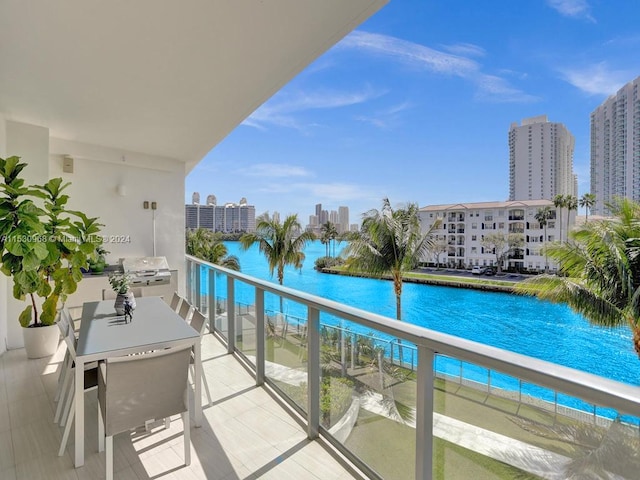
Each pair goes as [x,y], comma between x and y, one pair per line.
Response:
[158,77]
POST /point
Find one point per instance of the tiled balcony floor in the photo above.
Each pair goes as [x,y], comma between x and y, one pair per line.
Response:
[245,434]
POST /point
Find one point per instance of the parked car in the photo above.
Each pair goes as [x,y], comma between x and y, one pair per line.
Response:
[490,271]
[478,270]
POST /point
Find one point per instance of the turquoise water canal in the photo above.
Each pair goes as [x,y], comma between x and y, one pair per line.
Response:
[520,324]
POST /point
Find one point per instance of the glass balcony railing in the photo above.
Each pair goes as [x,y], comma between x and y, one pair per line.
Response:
[401,401]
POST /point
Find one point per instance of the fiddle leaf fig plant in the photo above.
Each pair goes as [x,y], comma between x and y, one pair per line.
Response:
[43,246]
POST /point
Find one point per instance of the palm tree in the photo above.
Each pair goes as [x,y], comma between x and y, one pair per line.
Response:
[600,271]
[588,200]
[208,246]
[542,216]
[560,201]
[324,239]
[280,243]
[328,234]
[389,242]
[571,203]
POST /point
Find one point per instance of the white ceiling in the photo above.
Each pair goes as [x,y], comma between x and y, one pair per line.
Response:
[168,78]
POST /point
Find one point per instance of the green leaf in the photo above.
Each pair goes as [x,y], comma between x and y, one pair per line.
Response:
[40,250]
[53,186]
[30,261]
[44,289]
[26,316]
[15,244]
[87,248]
[49,310]
[62,200]
[18,291]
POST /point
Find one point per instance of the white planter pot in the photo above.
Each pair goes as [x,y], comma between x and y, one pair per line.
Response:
[41,341]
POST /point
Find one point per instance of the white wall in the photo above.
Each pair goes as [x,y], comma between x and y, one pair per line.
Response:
[128,230]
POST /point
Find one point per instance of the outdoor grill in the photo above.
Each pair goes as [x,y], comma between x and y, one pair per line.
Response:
[147,271]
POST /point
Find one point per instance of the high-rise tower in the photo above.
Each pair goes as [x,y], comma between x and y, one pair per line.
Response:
[615,147]
[540,160]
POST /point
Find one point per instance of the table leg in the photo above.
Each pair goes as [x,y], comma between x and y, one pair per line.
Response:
[197,389]
[79,397]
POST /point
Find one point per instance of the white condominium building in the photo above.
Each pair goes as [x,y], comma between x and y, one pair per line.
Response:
[464,225]
[540,160]
[230,218]
[615,148]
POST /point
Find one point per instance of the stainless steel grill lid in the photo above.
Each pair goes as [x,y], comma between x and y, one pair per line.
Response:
[147,270]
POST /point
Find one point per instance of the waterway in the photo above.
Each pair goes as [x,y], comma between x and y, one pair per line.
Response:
[517,323]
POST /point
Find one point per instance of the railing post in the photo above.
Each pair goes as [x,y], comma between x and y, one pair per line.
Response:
[213,310]
[231,316]
[424,414]
[198,284]
[313,372]
[189,280]
[261,337]
[353,351]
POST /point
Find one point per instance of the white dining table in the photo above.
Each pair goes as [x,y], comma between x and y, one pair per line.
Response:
[105,334]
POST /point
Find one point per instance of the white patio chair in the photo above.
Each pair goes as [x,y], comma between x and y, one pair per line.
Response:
[68,389]
[134,389]
[65,322]
[64,319]
[185,310]
[176,299]
[199,323]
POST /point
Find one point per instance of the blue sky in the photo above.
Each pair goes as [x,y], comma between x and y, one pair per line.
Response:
[415,105]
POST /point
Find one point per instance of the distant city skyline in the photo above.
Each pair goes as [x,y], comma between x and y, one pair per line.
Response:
[208,218]
[416,105]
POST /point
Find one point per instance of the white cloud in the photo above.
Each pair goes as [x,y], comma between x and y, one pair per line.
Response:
[274,170]
[282,109]
[572,8]
[467,49]
[490,87]
[597,79]
[410,53]
[386,118]
[499,90]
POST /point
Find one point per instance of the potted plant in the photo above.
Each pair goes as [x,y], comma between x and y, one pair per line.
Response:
[98,262]
[121,284]
[43,247]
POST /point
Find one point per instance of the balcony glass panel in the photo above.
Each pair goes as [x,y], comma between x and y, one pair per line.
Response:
[286,348]
[245,322]
[487,421]
[368,396]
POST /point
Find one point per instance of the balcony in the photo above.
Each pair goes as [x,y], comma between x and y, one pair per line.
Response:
[452,391]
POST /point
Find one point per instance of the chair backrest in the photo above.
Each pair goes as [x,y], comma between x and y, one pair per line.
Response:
[185,310]
[64,320]
[175,301]
[70,340]
[137,388]
[198,321]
